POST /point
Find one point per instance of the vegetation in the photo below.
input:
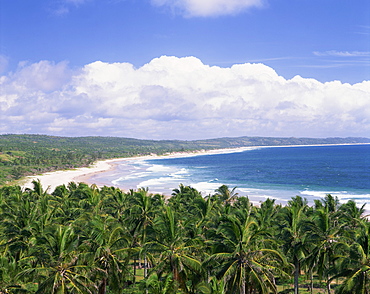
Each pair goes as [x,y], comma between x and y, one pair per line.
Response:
[85,239]
[22,155]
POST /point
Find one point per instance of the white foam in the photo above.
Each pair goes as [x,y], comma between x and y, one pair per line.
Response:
[343,197]
[156,168]
[165,178]
[206,187]
[179,174]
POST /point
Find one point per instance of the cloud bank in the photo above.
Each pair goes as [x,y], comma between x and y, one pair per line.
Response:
[206,8]
[178,98]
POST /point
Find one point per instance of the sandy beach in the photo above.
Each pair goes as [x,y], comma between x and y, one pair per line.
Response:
[51,180]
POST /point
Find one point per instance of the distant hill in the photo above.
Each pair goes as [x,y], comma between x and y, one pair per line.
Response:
[22,155]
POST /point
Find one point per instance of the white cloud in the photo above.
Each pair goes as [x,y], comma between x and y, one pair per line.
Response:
[3,63]
[342,53]
[205,8]
[75,2]
[178,98]
[63,7]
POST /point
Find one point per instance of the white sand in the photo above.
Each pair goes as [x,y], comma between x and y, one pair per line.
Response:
[53,179]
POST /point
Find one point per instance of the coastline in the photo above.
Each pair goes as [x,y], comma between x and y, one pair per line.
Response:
[51,180]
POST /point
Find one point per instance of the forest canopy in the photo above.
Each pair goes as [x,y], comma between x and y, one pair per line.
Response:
[85,239]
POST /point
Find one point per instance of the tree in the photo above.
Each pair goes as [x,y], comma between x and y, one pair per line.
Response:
[108,253]
[224,193]
[326,241]
[246,263]
[355,267]
[141,216]
[175,250]
[58,268]
[265,215]
[293,235]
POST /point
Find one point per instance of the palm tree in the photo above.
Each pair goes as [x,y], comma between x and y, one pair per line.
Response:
[213,286]
[155,285]
[173,252]
[225,194]
[115,202]
[265,215]
[246,262]
[326,241]
[58,267]
[141,216]
[10,282]
[183,199]
[293,234]
[37,190]
[351,215]
[107,250]
[355,267]
[19,214]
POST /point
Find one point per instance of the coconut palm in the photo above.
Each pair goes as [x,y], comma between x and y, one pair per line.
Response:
[213,286]
[156,285]
[355,267]
[10,282]
[141,216]
[265,215]
[18,214]
[293,235]
[351,215]
[246,263]
[326,242]
[115,202]
[225,194]
[107,249]
[174,251]
[182,200]
[58,268]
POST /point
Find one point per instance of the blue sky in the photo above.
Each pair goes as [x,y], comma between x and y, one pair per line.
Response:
[316,54]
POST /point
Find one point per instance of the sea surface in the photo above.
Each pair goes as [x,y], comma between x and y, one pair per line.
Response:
[260,173]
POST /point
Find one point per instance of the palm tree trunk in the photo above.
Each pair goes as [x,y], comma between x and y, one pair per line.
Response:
[328,286]
[103,287]
[145,266]
[311,281]
[296,275]
[134,270]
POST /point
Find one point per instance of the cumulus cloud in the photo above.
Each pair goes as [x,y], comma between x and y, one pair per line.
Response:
[178,98]
[205,8]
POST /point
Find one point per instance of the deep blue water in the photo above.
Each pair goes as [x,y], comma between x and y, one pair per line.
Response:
[277,172]
[319,167]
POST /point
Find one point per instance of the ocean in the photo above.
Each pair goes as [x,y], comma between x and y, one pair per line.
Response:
[259,173]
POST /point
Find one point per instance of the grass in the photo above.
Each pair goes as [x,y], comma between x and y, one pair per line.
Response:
[288,289]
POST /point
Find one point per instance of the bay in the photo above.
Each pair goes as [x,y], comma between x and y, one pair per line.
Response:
[260,173]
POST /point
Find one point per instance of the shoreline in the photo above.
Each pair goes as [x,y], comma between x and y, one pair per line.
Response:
[51,180]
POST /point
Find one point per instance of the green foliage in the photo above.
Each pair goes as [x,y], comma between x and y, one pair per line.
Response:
[86,239]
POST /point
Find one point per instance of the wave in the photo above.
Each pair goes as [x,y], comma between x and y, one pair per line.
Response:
[276,173]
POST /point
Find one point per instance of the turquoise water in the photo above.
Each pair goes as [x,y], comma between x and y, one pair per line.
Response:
[276,172]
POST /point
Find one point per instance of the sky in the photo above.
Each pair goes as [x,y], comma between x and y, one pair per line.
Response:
[185,69]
